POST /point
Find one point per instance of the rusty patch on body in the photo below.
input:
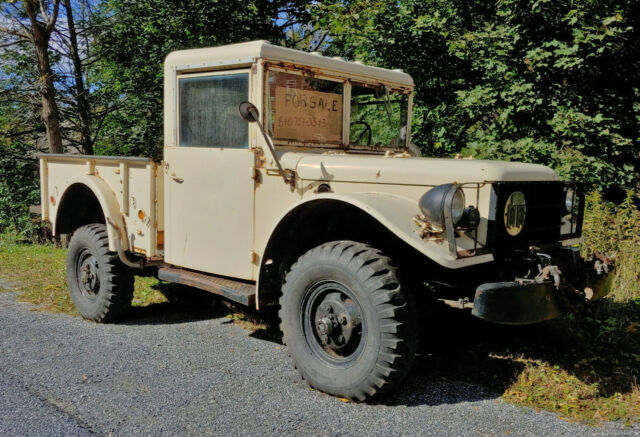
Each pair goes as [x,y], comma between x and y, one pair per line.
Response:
[427,230]
[466,253]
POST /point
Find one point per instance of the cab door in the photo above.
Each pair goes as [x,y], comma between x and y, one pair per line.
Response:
[209,185]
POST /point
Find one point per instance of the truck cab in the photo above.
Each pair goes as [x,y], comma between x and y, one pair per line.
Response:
[218,166]
[289,179]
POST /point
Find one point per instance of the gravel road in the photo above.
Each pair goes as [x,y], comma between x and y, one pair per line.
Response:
[174,374]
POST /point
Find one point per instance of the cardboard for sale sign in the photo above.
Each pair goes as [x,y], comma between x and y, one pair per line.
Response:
[307,115]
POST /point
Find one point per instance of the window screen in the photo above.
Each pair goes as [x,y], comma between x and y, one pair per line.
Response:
[209,111]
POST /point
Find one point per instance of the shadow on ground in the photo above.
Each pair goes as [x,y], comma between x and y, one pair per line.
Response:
[599,344]
[185,305]
[462,358]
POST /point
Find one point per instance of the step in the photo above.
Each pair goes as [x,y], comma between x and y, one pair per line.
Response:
[236,291]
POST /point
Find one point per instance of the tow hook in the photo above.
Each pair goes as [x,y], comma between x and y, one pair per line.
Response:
[463,302]
[549,272]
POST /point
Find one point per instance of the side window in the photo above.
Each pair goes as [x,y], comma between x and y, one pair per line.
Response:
[208,114]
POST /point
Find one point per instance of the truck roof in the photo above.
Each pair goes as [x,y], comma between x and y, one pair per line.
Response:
[246,53]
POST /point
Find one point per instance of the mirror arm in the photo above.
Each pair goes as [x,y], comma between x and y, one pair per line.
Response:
[250,114]
[272,150]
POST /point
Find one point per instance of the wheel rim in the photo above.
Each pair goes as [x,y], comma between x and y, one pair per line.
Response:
[334,327]
[87,274]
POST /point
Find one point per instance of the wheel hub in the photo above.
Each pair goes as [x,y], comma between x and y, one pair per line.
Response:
[325,326]
[88,274]
[338,321]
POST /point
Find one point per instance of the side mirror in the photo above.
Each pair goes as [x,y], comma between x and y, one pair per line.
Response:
[249,112]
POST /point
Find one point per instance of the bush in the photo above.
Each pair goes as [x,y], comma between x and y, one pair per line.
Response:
[19,189]
[523,80]
[615,230]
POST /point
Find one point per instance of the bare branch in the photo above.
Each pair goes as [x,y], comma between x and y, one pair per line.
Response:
[15,33]
[14,18]
[43,11]
[54,18]
[324,36]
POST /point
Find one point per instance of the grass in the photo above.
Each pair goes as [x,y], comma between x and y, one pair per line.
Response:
[584,367]
[543,386]
[37,273]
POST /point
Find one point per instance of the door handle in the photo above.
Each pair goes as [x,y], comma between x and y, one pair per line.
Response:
[176,178]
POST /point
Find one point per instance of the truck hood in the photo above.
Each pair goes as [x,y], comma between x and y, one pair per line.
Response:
[410,170]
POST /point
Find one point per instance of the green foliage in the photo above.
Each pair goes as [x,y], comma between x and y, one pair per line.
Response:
[615,231]
[538,81]
[134,39]
[19,189]
[19,186]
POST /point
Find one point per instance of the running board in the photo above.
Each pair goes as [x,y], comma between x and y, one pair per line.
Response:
[233,290]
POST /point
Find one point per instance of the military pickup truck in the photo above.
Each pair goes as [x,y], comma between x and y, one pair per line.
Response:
[289,179]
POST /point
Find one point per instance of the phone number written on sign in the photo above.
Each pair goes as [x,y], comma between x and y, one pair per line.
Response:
[293,121]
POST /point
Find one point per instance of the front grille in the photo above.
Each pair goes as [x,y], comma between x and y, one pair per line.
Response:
[545,208]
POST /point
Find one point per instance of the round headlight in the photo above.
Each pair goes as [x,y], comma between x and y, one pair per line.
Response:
[457,206]
[569,200]
[432,204]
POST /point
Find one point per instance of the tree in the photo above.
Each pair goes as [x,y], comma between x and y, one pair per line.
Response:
[136,36]
[80,94]
[21,136]
[42,16]
[533,80]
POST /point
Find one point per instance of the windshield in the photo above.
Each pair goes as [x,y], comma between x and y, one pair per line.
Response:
[378,116]
[305,109]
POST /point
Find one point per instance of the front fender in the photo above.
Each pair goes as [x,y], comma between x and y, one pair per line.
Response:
[396,213]
[116,227]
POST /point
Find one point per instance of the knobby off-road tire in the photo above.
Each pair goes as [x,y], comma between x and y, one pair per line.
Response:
[346,321]
[100,286]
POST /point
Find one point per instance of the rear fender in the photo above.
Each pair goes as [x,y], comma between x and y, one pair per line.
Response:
[116,227]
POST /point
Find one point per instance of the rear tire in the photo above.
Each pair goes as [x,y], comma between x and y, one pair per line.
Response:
[346,321]
[101,287]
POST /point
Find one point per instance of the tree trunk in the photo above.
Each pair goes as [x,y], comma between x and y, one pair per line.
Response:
[82,102]
[50,115]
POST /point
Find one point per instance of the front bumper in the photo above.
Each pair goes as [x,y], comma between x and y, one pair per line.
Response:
[513,303]
[531,301]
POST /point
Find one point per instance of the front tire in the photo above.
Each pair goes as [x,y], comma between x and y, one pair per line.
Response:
[346,321]
[101,287]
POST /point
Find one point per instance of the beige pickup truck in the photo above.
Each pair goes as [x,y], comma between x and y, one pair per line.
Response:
[290,179]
